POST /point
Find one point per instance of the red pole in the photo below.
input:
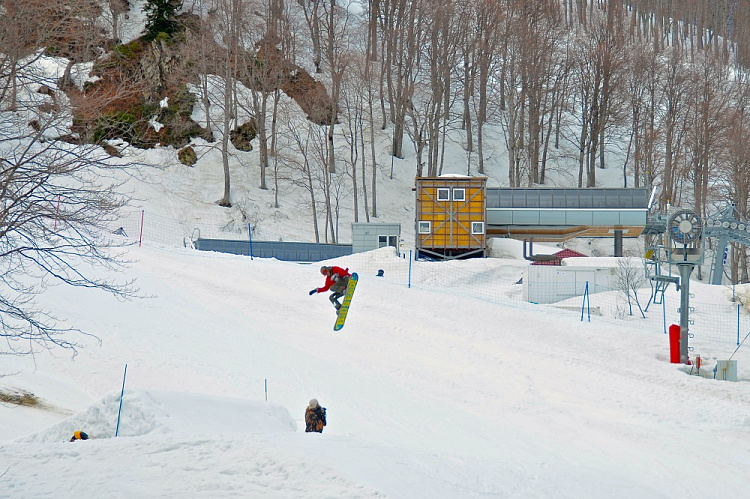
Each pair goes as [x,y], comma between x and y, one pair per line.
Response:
[140,238]
[57,210]
[674,344]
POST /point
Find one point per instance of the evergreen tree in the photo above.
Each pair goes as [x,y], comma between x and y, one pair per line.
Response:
[160,17]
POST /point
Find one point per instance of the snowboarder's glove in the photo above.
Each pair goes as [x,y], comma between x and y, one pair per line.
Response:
[313,291]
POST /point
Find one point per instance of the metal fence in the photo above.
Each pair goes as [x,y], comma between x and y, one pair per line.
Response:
[486,279]
[287,251]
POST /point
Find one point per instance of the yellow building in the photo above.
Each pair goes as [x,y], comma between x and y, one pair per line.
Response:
[450,217]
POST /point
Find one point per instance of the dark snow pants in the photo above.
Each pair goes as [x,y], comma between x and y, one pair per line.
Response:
[339,290]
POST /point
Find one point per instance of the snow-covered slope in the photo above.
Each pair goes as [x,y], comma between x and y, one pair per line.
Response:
[429,394]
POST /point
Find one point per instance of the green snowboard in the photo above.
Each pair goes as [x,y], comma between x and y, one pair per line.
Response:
[344,310]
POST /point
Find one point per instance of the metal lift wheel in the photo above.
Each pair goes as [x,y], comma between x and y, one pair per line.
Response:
[685,226]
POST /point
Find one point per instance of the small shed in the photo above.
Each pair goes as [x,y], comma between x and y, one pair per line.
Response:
[370,236]
[450,217]
[557,261]
[545,284]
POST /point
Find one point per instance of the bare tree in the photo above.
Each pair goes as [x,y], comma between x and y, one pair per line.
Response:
[335,27]
[675,88]
[468,75]
[28,26]
[116,9]
[261,71]
[641,86]
[367,79]
[200,47]
[600,63]
[309,169]
[80,38]
[442,53]
[510,81]
[353,95]
[539,29]
[319,150]
[629,278]
[709,105]
[304,171]
[403,38]
[487,42]
[57,200]
[312,10]
[228,24]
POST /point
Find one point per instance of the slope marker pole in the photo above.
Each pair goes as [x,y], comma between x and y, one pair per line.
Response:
[119,411]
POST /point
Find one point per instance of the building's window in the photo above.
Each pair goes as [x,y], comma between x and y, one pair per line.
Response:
[459,194]
[443,194]
[425,227]
[477,227]
[384,241]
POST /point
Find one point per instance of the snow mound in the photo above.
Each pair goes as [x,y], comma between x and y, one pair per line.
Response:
[155,412]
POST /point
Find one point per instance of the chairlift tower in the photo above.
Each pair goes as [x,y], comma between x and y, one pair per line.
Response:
[725,228]
[684,231]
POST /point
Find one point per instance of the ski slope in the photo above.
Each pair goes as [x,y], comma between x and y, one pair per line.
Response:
[429,394]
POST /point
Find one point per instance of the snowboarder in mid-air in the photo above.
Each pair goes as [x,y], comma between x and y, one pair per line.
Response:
[337,279]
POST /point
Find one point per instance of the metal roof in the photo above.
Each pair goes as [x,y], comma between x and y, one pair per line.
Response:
[598,197]
[558,214]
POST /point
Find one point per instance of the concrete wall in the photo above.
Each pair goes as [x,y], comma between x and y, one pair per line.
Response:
[366,236]
[292,252]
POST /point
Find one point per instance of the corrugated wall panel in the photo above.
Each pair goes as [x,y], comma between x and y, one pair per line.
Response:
[451,219]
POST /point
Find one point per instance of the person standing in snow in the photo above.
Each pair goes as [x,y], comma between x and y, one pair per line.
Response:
[337,279]
[315,417]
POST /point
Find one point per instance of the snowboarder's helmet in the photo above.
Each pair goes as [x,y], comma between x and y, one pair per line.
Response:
[313,403]
[324,270]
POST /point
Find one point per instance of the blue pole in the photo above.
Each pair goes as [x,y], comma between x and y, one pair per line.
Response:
[250,236]
[585,299]
[410,268]
[119,411]
[583,302]
[664,314]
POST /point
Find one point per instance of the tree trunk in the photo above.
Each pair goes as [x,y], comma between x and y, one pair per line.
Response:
[260,121]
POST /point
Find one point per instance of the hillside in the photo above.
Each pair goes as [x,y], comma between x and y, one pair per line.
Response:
[161,84]
[443,383]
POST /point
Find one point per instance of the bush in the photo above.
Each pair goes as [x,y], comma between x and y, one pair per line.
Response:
[19,398]
[113,125]
[164,37]
[242,135]
[111,150]
[180,103]
[129,51]
[187,156]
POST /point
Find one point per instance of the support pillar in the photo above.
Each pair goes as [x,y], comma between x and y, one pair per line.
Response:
[717,271]
[685,270]
[618,243]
